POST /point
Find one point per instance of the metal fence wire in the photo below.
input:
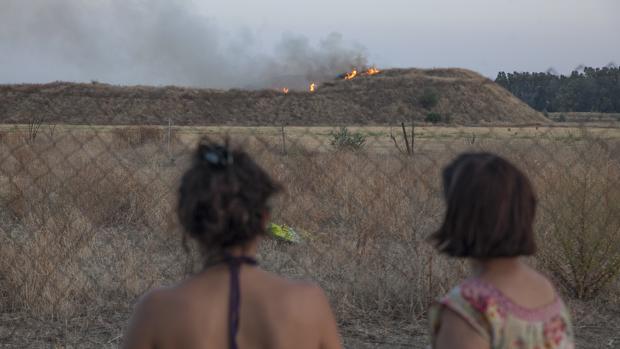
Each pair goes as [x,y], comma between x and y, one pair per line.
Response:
[87,222]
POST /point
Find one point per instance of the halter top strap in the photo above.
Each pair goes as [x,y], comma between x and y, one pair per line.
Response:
[234,263]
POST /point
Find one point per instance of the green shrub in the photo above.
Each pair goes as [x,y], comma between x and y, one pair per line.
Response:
[346,140]
[429,99]
[434,118]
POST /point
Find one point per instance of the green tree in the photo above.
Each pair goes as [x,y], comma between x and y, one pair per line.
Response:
[587,90]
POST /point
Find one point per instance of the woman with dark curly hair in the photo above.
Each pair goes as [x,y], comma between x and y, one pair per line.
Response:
[232,303]
[506,303]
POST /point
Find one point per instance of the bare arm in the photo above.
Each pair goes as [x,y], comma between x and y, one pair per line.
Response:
[139,334]
[455,332]
[330,338]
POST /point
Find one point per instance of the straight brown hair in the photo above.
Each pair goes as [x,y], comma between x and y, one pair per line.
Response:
[490,209]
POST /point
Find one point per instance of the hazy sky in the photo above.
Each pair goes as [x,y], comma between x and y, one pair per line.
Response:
[484,35]
[244,43]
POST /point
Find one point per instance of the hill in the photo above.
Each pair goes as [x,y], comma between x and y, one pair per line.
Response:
[390,97]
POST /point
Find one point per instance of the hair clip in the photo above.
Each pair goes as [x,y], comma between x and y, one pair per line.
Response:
[218,156]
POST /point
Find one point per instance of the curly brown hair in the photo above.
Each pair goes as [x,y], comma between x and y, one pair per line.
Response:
[223,197]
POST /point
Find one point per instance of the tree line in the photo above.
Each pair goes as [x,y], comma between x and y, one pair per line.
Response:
[587,90]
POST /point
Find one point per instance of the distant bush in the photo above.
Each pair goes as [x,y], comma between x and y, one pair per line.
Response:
[347,140]
[562,118]
[429,99]
[580,220]
[433,118]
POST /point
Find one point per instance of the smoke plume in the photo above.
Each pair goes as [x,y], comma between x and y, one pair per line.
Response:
[155,42]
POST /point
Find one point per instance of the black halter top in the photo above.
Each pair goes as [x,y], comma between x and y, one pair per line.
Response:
[234,303]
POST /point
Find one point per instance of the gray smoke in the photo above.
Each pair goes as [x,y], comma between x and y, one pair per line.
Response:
[155,42]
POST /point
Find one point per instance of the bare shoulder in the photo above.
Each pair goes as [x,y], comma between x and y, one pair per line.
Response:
[160,304]
[147,303]
[541,284]
[301,294]
[544,280]
[144,325]
[308,306]
[305,289]
[313,294]
[157,298]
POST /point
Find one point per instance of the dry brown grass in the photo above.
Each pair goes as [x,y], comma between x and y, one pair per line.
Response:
[87,221]
[384,99]
[74,219]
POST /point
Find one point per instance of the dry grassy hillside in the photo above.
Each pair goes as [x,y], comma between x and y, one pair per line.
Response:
[390,97]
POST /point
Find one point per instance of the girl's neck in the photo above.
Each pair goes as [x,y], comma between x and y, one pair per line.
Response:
[497,266]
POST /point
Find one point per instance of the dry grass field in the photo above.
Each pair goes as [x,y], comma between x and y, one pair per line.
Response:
[580,117]
[87,224]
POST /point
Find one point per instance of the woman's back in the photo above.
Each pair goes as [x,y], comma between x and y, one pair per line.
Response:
[273,312]
[521,311]
[224,207]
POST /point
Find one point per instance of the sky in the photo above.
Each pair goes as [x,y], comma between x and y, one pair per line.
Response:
[236,43]
[484,35]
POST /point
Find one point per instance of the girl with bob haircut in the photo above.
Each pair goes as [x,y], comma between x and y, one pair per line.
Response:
[232,303]
[505,303]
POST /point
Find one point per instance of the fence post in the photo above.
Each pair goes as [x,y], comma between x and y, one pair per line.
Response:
[402,124]
[283,140]
[412,136]
[169,138]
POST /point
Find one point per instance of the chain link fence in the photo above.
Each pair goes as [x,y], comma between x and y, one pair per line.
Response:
[87,222]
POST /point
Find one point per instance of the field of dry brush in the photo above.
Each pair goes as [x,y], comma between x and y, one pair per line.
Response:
[87,225]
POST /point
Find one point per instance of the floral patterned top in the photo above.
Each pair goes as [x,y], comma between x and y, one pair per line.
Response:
[503,323]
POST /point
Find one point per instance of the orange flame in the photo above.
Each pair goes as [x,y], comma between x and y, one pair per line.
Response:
[372,71]
[354,73]
[351,75]
[284,90]
[312,87]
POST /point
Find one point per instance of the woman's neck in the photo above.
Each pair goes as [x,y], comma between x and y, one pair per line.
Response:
[497,266]
[214,260]
[248,250]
